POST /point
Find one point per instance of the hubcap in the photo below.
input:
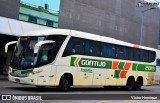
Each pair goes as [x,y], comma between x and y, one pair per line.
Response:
[65,83]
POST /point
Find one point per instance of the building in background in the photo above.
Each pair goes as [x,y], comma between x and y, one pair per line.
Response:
[38,14]
[119,19]
[9,8]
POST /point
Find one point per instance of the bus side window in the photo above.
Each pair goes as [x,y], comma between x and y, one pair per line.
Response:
[75,46]
[134,54]
[78,46]
[126,53]
[131,53]
[90,48]
[68,50]
[99,49]
[145,56]
[110,50]
[152,56]
[138,54]
[104,50]
[44,57]
[119,52]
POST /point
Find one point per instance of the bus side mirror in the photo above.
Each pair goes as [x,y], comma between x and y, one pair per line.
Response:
[8,44]
[39,44]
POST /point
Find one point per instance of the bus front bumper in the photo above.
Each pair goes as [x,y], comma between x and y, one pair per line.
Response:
[31,80]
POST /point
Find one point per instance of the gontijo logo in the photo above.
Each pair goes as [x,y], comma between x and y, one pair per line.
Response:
[93,63]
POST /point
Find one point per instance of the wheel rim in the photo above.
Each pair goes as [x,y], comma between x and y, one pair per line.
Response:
[65,83]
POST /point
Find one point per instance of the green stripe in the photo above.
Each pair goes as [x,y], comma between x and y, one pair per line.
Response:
[22,71]
[143,67]
[72,61]
[120,66]
[109,64]
[116,73]
[134,65]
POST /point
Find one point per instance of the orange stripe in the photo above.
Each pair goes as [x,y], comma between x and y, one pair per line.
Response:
[123,74]
[127,66]
[23,38]
[115,65]
[136,46]
[76,62]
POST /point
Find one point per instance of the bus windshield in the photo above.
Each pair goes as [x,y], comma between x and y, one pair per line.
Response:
[24,52]
[24,58]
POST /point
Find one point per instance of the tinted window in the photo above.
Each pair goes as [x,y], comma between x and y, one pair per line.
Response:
[99,49]
[74,46]
[90,48]
[120,52]
[48,52]
[127,54]
[152,56]
[110,50]
[145,56]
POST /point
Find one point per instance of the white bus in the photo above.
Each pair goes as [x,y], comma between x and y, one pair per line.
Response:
[64,58]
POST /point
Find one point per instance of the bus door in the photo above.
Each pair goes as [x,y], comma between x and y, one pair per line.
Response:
[44,75]
[46,68]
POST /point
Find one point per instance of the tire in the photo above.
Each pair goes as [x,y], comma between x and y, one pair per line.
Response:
[65,83]
[138,84]
[130,84]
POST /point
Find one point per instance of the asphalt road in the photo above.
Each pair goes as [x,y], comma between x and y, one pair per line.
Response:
[79,94]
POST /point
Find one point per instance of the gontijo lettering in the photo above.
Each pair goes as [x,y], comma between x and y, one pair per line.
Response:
[93,63]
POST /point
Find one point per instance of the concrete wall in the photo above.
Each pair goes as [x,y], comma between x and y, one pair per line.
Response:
[119,19]
[9,8]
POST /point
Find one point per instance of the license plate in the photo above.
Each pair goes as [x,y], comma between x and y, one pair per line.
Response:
[17,80]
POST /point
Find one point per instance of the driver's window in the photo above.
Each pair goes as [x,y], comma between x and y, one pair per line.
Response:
[44,57]
[46,53]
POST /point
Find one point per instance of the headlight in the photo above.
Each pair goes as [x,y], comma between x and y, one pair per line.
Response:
[29,74]
[10,70]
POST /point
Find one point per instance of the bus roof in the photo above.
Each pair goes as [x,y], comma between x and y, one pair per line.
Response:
[84,35]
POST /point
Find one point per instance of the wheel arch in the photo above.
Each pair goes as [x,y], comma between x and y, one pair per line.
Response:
[141,78]
[68,74]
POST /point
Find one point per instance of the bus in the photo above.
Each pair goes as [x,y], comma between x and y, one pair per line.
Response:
[63,58]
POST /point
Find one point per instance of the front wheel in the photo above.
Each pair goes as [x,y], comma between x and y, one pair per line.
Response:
[65,83]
